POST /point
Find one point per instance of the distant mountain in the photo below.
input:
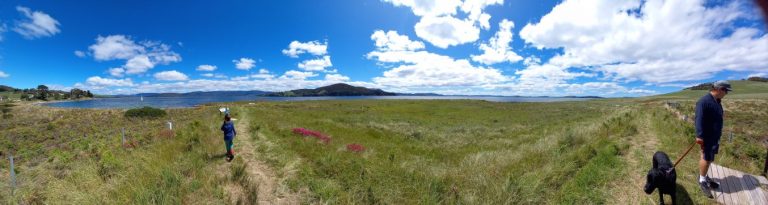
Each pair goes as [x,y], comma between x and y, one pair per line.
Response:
[202,94]
[339,89]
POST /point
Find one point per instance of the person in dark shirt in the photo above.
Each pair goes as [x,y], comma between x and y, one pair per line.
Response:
[709,128]
[229,134]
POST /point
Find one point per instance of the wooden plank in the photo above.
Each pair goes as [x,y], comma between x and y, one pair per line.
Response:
[744,191]
[760,196]
[718,174]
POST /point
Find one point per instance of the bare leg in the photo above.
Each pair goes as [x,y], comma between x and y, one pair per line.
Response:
[703,165]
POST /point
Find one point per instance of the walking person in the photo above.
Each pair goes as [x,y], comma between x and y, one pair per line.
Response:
[709,128]
[229,135]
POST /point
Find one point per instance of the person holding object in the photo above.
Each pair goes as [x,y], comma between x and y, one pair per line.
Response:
[229,135]
[709,128]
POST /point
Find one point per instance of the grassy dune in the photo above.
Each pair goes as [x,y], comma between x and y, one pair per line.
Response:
[416,152]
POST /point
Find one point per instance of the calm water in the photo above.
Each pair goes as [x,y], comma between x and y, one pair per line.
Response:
[180,102]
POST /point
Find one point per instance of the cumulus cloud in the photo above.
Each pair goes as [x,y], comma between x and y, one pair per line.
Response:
[213,75]
[336,78]
[391,41]
[316,64]
[295,48]
[140,57]
[497,50]
[116,72]
[418,68]
[263,74]
[36,24]
[297,75]
[206,68]
[440,26]
[4,75]
[80,54]
[653,41]
[171,75]
[108,82]
[244,63]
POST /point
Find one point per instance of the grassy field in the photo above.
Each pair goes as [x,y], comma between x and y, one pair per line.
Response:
[415,152]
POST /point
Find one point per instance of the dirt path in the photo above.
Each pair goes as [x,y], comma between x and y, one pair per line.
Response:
[629,190]
[257,173]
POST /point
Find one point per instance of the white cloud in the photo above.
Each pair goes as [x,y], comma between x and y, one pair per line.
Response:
[415,68]
[80,54]
[336,78]
[109,82]
[115,47]
[140,57]
[116,72]
[4,75]
[653,41]
[206,68]
[244,63]
[313,47]
[241,78]
[446,31]
[391,41]
[497,50]
[439,25]
[316,64]
[474,8]
[532,60]
[263,74]
[171,75]
[36,24]
[138,64]
[213,75]
[429,7]
[297,75]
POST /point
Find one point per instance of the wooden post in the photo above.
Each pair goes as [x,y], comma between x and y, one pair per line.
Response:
[765,167]
[13,175]
[122,143]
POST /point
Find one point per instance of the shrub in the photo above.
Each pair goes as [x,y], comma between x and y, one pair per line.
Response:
[145,112]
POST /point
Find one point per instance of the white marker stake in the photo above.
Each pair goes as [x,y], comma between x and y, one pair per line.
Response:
[13,176]
[170,125]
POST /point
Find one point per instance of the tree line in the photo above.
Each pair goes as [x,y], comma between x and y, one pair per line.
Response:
[42,92]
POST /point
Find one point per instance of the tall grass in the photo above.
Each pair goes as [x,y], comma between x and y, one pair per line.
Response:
[444,151]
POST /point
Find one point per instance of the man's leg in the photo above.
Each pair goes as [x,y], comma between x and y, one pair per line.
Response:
[703,167]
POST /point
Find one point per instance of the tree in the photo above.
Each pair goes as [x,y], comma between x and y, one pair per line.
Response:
[76,93]
[42,92]
[88,94]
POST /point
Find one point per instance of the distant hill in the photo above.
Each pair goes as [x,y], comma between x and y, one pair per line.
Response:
[339,89]
[741,89]
[202,94]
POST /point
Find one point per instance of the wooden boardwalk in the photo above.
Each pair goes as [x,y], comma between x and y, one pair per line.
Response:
[738,187]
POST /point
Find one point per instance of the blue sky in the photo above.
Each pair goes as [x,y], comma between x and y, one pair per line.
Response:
[574,47]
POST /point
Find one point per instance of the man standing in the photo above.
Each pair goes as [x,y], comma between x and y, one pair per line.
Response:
[709,128]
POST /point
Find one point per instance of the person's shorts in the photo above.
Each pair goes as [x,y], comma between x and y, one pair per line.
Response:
[709,152]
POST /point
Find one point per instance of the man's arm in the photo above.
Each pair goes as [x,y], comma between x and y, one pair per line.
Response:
[699,121]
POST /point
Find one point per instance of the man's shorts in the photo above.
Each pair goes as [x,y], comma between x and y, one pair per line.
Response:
[709,152]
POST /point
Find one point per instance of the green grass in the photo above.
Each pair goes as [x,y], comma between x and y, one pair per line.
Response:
[417,152]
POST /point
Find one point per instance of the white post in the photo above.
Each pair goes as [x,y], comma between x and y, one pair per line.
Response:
[170,125]
[730,138]
[123,141]
[13,176]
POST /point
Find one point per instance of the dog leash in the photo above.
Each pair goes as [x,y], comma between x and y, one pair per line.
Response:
[681,157]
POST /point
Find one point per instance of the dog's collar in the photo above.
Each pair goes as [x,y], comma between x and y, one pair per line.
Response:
[669,171]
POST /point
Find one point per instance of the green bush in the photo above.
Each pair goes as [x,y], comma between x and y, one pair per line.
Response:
[145,112]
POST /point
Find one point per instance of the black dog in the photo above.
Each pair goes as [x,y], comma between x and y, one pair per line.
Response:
[662,176]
